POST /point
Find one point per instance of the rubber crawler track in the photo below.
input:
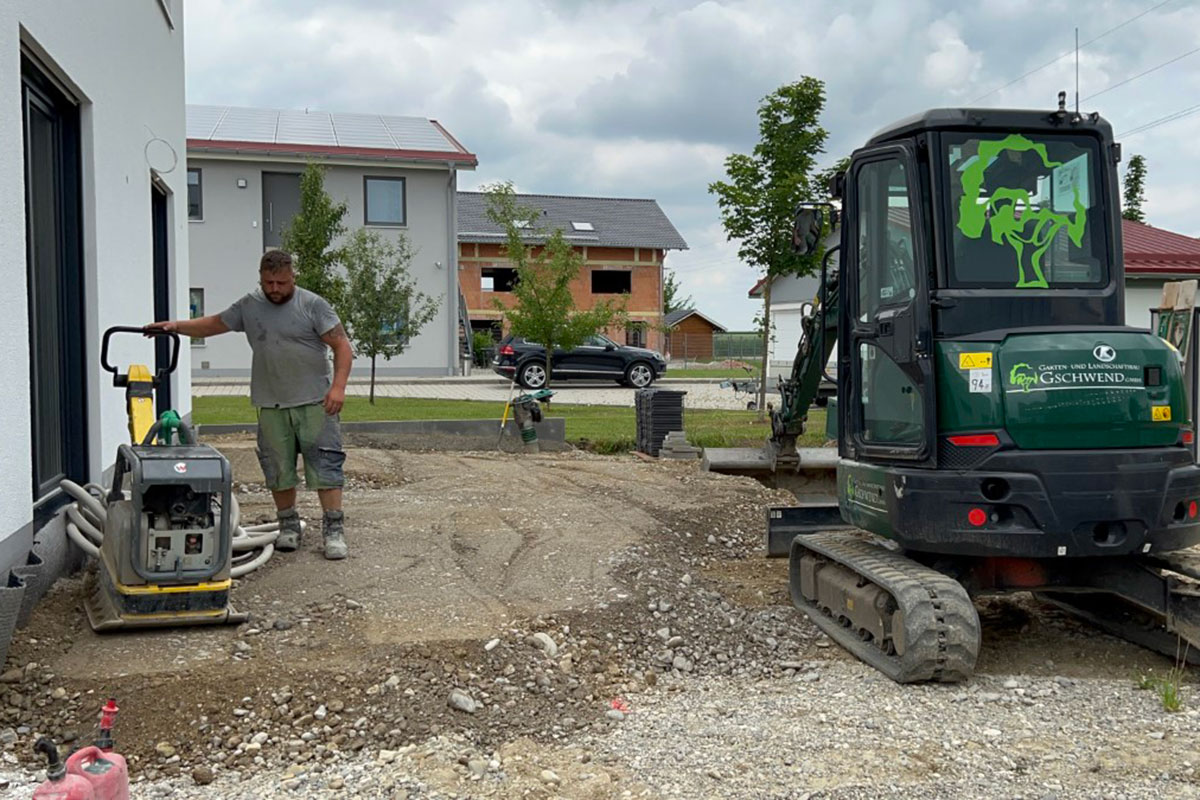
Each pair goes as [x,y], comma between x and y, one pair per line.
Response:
[940,624]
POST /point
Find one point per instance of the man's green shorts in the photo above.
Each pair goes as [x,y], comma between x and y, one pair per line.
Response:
[284,433]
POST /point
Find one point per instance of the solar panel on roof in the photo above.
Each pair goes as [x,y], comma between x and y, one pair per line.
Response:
[316,128]
[298,127]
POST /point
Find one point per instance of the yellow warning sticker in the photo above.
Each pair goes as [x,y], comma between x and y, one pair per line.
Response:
[974,360]
[1160,413]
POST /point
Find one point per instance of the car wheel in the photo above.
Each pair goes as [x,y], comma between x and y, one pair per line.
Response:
[821,401]
[639,375]
[532,375]
[752,406]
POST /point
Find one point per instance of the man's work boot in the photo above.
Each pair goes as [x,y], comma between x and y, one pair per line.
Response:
[289,530]
[335,536]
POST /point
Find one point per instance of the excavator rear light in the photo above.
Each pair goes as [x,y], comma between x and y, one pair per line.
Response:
[977,516]
[1192,510]
[976,440]
[1188,436]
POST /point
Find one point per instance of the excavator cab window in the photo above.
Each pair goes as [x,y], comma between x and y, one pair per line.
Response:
[1024,212]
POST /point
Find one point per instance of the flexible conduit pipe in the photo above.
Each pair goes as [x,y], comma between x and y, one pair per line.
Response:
[253,546]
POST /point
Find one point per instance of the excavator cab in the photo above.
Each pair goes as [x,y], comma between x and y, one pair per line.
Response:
[997,421]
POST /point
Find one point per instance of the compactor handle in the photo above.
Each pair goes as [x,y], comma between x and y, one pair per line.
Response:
[162,373]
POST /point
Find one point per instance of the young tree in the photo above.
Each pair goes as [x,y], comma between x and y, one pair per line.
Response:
[1135,190]
[758,201]
[382,309]
[310,237]
[673,299]
[545,308]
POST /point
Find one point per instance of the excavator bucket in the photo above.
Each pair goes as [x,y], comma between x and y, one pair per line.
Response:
[811,474]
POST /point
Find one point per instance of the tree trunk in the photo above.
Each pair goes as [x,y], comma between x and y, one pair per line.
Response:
[546,385]
[372,380]
[766,352]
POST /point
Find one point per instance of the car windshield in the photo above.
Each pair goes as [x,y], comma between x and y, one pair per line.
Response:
[1024,212]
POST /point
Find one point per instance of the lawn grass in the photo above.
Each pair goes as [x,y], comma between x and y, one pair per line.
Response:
[604,429]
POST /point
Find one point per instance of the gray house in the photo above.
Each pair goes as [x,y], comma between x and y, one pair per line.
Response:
[396,175]
[93,219]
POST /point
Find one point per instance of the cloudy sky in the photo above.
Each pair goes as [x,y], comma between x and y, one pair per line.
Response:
[646,99]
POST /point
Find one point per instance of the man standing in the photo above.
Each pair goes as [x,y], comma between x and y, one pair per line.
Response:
[288,329]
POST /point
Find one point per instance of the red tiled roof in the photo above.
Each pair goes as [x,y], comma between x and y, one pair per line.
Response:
[1154,251]
[1148,251]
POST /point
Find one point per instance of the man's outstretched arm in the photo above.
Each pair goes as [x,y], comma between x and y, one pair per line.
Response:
[195,328]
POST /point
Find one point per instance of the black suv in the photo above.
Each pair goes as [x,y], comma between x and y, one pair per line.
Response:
[598,357]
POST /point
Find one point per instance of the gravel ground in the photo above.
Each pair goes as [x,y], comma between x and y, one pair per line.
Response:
[666,663]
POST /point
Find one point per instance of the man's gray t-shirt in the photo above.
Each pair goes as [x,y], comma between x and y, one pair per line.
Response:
[290,367]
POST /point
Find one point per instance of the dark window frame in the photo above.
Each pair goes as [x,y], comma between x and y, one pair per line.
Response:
[199,195]
[601,270]
[403,201]
[67,403]
[498,272]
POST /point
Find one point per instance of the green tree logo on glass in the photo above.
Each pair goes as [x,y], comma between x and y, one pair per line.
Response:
[1030,234]
[1022,375]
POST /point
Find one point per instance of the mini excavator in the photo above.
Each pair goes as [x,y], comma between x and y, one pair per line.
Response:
[999,428]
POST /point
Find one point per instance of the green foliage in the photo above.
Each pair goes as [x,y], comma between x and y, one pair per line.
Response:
[1134,194]
[673,299]
[481,340]
[310,238]
[758,201]
[382,309]
[545,308]
[1167,687]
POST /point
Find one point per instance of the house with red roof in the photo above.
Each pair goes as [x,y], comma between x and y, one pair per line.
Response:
[1154,256]
[397,175]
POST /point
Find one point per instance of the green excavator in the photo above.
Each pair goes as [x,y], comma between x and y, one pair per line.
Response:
[999,428]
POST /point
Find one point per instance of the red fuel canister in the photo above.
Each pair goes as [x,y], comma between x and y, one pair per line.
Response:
[107,774]
[60,784]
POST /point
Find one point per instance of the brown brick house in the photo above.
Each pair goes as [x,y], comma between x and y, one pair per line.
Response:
[691,335]
[624,243]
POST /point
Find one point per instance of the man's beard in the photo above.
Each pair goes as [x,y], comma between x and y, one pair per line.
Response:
[281,298]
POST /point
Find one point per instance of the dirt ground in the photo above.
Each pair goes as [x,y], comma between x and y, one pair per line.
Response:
[457,560]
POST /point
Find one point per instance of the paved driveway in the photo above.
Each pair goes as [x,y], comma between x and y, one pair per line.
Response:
[699,395]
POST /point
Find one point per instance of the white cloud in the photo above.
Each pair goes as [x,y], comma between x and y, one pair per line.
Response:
[952,65]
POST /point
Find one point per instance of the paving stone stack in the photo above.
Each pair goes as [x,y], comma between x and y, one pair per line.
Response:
[676,446]
[659,411]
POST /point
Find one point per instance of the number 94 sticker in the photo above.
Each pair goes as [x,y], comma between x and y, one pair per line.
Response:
[981,381]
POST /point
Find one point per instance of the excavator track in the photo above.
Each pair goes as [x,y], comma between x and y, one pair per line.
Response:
[910,622]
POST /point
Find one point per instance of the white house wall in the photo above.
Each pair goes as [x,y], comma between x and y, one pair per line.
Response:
[227,245]
[1140,296]
[125,64]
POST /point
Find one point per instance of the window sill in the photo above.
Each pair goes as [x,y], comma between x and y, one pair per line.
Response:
[385,224]
[195,219]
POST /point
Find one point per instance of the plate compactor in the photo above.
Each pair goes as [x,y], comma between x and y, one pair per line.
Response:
[1000,429]
[166,553]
